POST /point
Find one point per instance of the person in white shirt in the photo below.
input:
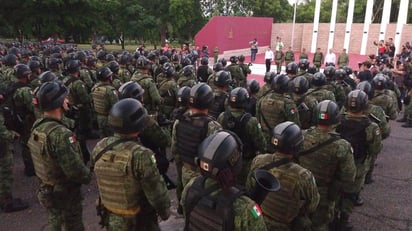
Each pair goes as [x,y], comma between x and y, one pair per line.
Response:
[330,59]
[269,56]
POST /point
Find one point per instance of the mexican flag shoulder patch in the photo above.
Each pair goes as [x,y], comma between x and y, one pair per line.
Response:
[153,159]
[72,139]
[256,211]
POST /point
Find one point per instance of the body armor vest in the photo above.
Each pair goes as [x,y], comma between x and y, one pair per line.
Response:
[70,83]
[271,111]
[284,205]
[190,132]
[144,81]
[169,97]
[99,99]
[46,167]
[203,73]
[354,131]
[117,184]
[218,105]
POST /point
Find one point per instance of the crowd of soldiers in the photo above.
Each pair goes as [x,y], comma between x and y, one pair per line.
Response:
[293,154]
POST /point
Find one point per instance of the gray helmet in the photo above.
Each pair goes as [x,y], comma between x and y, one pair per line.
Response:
[269,76]
[21,71]
[287,138]
[319,79]
[113,66]
[329,72]
[217,67]
[127,116]
[143,63]
[357,101]
[280,83]
[201,96]
[131,89]
[34,65]
[163,59]
[292,68]
[51,95]
[188,70]
[252,86]
[340,74]
[238,98]
[168,69]
[366,87]
[204,61]
[379,82]
[47,76]
[326,113]
[104,74]
[223,79]
[183,96]
[300,85]
[73,66]
[303,64]
[222,150]
[10,60]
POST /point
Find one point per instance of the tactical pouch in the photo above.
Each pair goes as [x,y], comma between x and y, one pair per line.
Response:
[45,196]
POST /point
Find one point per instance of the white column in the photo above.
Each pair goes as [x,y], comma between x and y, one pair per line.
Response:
[293,25]
[385,18]
[349,21]
[403,14]
[315,26]
[332,24]
[368,20]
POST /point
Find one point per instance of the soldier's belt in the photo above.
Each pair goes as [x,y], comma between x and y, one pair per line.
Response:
[127,212]
[190,166]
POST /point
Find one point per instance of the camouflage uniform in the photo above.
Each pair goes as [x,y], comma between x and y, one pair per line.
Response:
[279,58]
[124,74]
[305,105]
[250,133]
[321,93]
[168,91]
[288,208]
[338,91]
[7,78]
[386,103]
[265,89]
[237,75]
[244,218]
[332,165]
[104,96]
[245,68]
[131,204]
[289,57]
[184,80]
[343,60]
[86,77]
[151,97]
[273,109]
[59,165]
[318,60]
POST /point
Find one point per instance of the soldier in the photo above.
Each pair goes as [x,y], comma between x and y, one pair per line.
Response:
[305,102]
[292,70]
[10,60]
[215,54]
[303,69]
[344,81]
[54,65]
[182,103]
[211,79]
[319,90]
[204,71]
[168,91]
[343,59]
[8,204]
[131,191]
[101,59]
[114,68]
[288,208]
[85,75]
[329,158]
[279,58]
[267,87]
[380,98]
[189,131]
[35,67]
[151,95]
[289,56]
[58,161]
[332,86]
[187,77]
[104,96]
[276,107]
[246,127]
[303,54]
[239,79]
[245,67]
[124,72]
[253,88]
[366,141]
[318,59]
[212,201]
[220,94]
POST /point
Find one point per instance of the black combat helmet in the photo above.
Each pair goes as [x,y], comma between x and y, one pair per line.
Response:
[204,61]
[222,150]
[183,96]
[186,61]
[303,64]
[366,87]
[280,83]
[131,89]
[53,63]
[319,79]
[22,71]
[300,85]
[348,70]
[201,96]
[104,74]
[312,69]
[340,74]
[329,72]
[101,55]
[238,98]
[81,56]
[10,60]
[127,116]
[113,66]
[269,76]
[222,79]
[326,113]
[233,59]
[51,95]
[188,70]
[223,61]
[252,86]
[292,68]
[143,63]
[47,76]
[163,59]
[168,69]
[34,65]
[241,58]
[287,138]
[379,82]
[217,67]
[357,101]
[73,66]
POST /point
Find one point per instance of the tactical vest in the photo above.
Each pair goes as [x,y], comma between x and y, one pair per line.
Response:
[144,80]
[354,131]
[99,94]
[305,116]
[320,94]
[45,165]
[238,126]
[169,97]
[190,132]
[118,189]
[218,105]
[271,111]
[124,74]
[283,206]
[205,212]
[70,82]
[203,73]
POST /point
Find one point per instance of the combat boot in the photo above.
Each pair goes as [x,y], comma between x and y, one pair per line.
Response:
[358,200]
[343,223]
[408,124]
[368,179]
[14,205]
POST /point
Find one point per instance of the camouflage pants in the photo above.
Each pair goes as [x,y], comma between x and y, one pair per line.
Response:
[278,66]
[408,111]
[324,213]
[188,174]
[143,222]
[6,171]
[104,128]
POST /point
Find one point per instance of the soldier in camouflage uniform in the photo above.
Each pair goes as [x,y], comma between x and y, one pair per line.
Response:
[10,60]
[304,103]
[220,93]
[58,161]
[104,96]
[276,107]
[151,96]
[288,208]
[267,87]
[135,203]
[204,71]
[54,66]
[319,90]
[380,98]
[318,59]
[343,59]
[365,138]
[116,80]
[190,130]
[168,91]
[279,58]
[329,158]
[331,85]
[219,160]
[211,79]
[7,202]
[124,73]
[35,67]
[289,56]
[344,81]
[239,79]
[253,88]
[187,76]
[303,54]
[245,67]
[246,127]
[85,74]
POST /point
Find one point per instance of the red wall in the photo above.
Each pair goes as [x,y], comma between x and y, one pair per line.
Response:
[232,33]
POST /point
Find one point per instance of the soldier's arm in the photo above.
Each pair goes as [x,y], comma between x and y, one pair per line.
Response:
[5,134]
[112,97]
[309,192]
[27,98]
[154,94]
[346,170]
[81,92]
[152,183]
[257,137]
[291,112]
[69,157]
[213,127]
[174,150]
[373,139]
[184,194]
[155,133]
[248,216]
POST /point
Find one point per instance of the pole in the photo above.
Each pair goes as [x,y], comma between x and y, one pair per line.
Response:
[293,25]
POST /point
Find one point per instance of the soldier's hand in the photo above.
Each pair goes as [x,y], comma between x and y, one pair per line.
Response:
[165,214]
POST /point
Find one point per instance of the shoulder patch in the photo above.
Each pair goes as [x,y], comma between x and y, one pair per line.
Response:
[293,110]
[378,131]
[256,211]
[153,159]
[72,139]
